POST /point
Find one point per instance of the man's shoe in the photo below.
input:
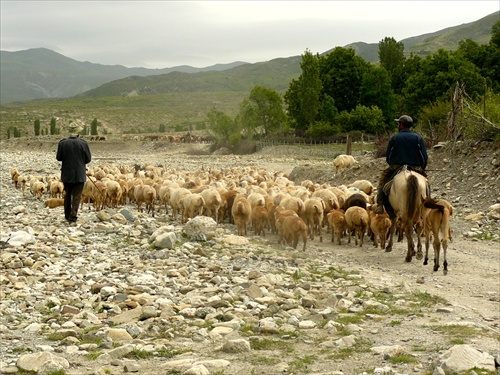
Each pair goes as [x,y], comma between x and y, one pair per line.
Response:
[379,210]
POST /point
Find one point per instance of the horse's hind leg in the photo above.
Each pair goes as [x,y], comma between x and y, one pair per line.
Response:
[437,249]
[445,262]
[411,246]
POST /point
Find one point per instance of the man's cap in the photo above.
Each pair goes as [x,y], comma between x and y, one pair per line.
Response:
[406,120]
[73,127]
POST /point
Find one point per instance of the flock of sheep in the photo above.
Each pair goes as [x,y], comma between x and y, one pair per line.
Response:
[249,197]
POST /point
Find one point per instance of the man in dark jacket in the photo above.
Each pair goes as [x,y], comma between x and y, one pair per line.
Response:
[404,148]
[74,153]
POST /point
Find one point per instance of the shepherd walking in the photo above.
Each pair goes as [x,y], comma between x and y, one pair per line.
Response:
[74,153]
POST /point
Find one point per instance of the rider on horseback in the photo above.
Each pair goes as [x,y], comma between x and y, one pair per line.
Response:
[404,148]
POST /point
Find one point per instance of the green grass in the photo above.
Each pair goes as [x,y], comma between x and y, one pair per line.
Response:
[271,344]
[302,364]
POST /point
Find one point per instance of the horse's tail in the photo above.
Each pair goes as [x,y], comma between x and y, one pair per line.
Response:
[413,196]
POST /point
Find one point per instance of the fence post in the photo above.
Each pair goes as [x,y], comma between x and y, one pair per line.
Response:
[348,145]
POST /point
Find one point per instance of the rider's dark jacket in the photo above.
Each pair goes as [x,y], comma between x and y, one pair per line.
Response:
[407,147]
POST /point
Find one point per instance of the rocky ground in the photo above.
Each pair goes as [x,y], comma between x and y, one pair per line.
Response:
[99,298]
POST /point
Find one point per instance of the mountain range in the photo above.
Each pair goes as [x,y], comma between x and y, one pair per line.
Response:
[41,73]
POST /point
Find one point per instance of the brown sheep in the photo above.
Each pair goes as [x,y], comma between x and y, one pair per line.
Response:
[337,224]
[227,200]
[294,228]
[241,212]
[280,213]
[113,193]
[38,188]
[380,224]
[54,202]
[314,211]
[363,185]
[56,189]
[176,195]
[259,220]
[343,161]
[357,220]
[295,204]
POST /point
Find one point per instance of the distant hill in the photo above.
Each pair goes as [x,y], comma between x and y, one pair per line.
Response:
[42,74]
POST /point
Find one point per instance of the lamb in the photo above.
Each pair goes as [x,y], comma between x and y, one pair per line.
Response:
[14,174]
[192,204]
[293,228]
[357,220]
[176,195]
[213,202]
[379,226]
[241,212]
[363,185]
[54,202]
[227,200]
[280,213]
[259,220]
[56,189]
[145,194]
[437,222]
[295,204]
[38,188]
[314,211]
[337,223]
[113,193]
[343,161]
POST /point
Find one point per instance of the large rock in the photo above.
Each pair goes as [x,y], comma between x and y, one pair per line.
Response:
[461,358]
[42,363]
[200,225]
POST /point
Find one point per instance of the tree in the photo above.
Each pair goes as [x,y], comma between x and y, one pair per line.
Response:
[391,56]
[341,73]
[328,112]
[93,127]
[53,129]
[436,79]
[223,127]
[268,105]
[162,128]
[376,90]
[303,95]
[37,127]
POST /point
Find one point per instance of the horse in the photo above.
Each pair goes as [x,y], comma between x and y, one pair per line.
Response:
[407,192]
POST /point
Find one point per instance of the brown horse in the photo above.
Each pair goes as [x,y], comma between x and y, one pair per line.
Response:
[408,191]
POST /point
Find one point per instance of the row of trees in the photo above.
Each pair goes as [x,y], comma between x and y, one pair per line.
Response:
[340,92]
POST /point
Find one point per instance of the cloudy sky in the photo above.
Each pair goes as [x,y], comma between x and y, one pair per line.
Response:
[160,34]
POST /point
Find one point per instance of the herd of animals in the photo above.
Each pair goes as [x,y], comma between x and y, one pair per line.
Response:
[255,199]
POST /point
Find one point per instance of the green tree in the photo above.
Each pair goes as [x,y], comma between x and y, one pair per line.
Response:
[376,90]
[8,133]
[93,127]
[391,56]
[53,128]
[268,105]
[368,119]
[328,112]
[223,127]
[17,133]
[162,128]
[437,78]
[37,127]
[341,73]
[303,95]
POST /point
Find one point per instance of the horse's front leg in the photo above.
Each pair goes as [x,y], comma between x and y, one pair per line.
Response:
[391,236]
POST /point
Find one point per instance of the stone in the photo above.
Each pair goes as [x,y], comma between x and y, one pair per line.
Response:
[461,358]
[40,362]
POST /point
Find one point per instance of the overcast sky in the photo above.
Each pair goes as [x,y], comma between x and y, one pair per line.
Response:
[160,34]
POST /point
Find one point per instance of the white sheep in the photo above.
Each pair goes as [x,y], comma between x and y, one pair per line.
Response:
[343,161]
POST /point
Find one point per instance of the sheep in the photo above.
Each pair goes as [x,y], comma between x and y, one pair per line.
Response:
[343,161]
[227,200]
[357,218]
[113,193]
[363,185]
[56,189]
[357,199]
[437,222]
[280,214]
[192,204]
[295,204]
[330,200]
[14,174]
[380,224]
[213,202]
[22,181]
[54,202]
[259,220]
[145,194]
[38,188]
[176,195]
[314,212]
[241,212]
[337,224]
[293,228]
